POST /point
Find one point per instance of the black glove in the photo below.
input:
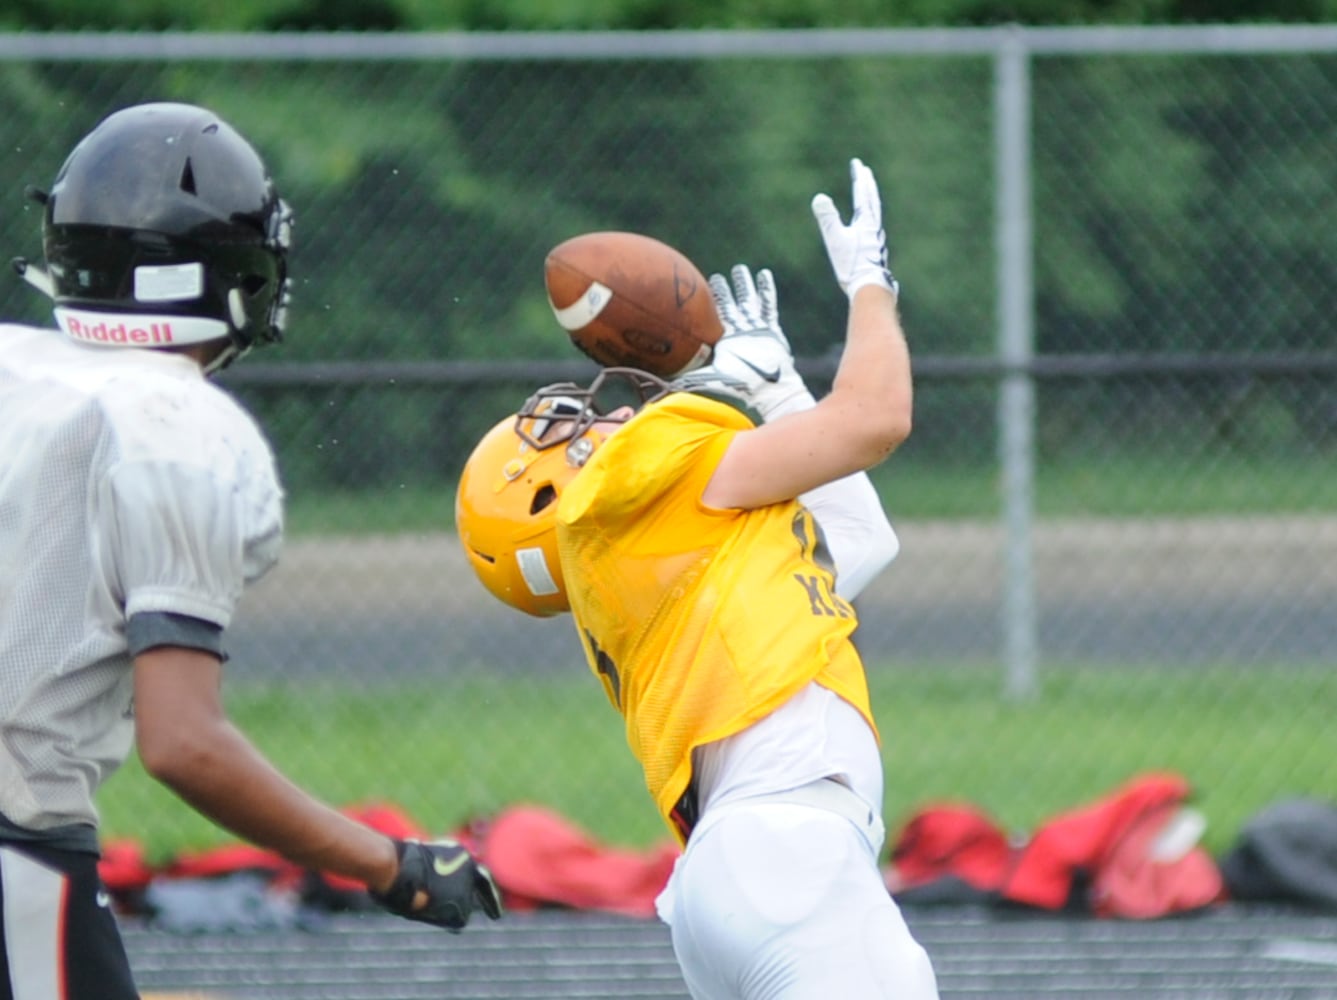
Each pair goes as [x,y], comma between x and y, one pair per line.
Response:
[454,882]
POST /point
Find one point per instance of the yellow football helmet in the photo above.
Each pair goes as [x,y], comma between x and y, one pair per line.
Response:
[506,504]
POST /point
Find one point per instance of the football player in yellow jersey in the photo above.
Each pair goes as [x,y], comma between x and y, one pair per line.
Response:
[708,541]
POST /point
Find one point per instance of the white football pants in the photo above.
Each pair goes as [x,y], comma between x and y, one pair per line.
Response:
[778,901]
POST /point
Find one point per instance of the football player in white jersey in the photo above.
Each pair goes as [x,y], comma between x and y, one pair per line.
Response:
[137,499]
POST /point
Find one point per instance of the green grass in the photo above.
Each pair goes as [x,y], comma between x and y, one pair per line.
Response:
[1143,485]
[465,747]
[1243,738]
[401,509]
[1101,486]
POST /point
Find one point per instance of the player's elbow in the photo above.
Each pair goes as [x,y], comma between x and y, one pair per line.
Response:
[900,421]
[173,755]
[886,430]
[871,421]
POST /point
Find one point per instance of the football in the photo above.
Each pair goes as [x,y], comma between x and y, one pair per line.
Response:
[629,300]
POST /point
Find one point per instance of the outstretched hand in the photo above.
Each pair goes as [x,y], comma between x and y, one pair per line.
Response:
[858,251]
[752,361]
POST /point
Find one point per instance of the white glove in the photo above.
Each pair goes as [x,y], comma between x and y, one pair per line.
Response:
[752,361]
[858,251]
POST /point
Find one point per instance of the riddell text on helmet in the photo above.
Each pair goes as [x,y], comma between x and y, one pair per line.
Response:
[118,333]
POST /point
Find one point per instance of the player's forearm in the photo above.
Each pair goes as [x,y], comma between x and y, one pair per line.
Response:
[874,376]
[222,775]
[873,381]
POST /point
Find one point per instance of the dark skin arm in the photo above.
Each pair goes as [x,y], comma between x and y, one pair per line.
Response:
[186,741]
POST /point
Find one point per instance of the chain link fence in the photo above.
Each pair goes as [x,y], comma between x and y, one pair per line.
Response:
[1118,508]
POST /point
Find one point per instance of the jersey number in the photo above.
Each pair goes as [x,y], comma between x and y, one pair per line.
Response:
[820,588]
[607,669]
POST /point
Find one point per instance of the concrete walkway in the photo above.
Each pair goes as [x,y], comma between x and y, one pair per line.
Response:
[1239,591]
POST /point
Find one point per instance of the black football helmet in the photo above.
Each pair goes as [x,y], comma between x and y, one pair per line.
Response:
[164,227]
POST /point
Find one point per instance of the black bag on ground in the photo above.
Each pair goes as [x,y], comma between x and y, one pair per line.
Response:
[1286,853]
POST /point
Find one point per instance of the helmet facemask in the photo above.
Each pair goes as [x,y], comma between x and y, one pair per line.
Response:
[564,411]
[506,506]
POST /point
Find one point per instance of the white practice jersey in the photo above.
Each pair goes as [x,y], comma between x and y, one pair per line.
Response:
[128,483]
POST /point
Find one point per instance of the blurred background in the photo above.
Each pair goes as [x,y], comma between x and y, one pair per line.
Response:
[1118,509]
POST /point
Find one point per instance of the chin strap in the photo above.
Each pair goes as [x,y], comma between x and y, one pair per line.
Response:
[35,276]
[225,357]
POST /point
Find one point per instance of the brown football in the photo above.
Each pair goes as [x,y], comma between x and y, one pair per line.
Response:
[632,301]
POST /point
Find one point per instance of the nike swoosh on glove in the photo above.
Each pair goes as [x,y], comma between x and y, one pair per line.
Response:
[752,361]
[452,880]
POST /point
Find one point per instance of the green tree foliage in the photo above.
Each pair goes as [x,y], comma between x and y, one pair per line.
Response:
[1177,205]
[637,15]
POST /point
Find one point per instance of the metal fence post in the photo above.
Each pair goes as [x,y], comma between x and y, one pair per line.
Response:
[1016,348]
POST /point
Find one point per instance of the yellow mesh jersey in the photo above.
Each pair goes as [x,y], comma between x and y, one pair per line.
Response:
[698,621]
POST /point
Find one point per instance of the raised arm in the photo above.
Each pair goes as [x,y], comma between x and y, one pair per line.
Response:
[867,414]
